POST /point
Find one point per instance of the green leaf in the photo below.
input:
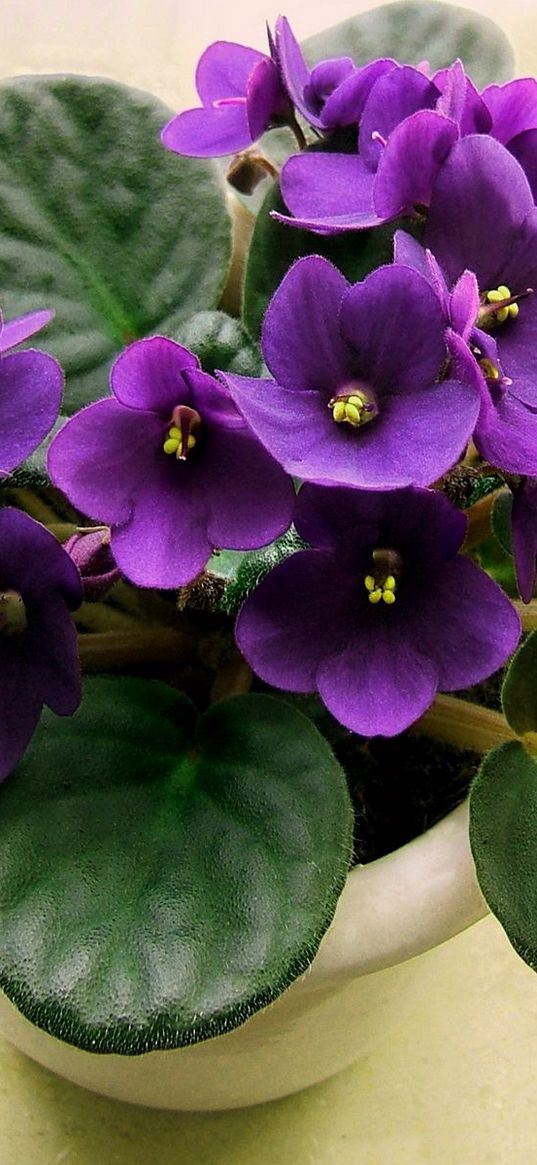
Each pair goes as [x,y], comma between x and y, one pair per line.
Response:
[503,836]
[519,692]
[414,30]
[162,879]
[98,221]
[252,566]
[220,342]
[501,519]
[274,247]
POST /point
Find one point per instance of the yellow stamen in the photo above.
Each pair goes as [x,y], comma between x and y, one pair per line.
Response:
[174,442]
[491,371]
[354,409]
[375,596]
[378,589]
[498,295]
[370,584]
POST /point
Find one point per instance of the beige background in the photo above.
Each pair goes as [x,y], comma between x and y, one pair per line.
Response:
[457,1086]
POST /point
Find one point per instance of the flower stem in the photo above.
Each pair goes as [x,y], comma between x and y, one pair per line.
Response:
[109,651]
[528,615]
[464,724]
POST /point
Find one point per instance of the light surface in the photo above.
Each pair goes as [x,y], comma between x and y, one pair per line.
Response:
[457,1085]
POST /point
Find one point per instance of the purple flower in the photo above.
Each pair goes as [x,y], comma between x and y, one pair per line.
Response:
[357,397]
[91,553]
[409,124]
[39,660]
[242,96]
[331,94]
[524,536]
[482,230]
[381,612]
[31,386]
[171,466]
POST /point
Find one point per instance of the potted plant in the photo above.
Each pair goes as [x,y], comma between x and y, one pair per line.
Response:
[269,544]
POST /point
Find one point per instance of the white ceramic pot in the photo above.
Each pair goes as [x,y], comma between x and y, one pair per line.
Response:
[374,962]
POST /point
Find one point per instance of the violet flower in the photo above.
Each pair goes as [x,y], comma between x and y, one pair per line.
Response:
[357,397]
[242,96]
[170,465]
[31,386]
[39,659]
[409,124]
[524,537]
[381,612]
[333,93]
[482,230]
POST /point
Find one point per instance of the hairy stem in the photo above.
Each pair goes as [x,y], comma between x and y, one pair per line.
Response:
[463,724]
[109,651]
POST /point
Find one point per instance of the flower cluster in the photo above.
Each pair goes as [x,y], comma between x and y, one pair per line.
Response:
[375,392]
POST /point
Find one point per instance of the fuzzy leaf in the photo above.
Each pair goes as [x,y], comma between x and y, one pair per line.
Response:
[98,221]
[162,877]
[503,835]
[519,692]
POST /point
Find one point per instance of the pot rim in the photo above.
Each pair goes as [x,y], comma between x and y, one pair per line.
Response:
[401,905]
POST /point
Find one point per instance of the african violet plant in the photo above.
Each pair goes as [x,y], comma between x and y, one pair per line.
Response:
[260,516]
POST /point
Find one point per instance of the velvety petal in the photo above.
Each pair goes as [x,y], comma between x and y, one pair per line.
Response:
[506,434]
[421,523]
[461,101]
[21,709]
[395,96]
[55,668]
[464,304]
[480,199]
[148,375]
[513,107]
[524,536]
[326,76]
[328,193]
[211,132]
[295,72]
[524,149]
[249,499]
[212,400]
[224,69]
[164,543]
[517,345]
[31,386]
[382,681]
[24,543]
[401,447]
[292,620]
[408,252]
[100,457]
[409,353]
[264,97]
[16,331]
[301,341]
[410,162]
[465,622]
[346,104]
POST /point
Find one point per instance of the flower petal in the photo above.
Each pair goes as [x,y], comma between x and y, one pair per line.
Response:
[148,375]
[249,498]
[264,97]
[301,341]
[224,70]
[31,386]
[16,331]
[211,132]
[382,681]
[409,353]
[290,622]
[466,623]
[346,104]
[394,97]
[328,193]
[410,162]
[295,72]
[480,199]
[100,457]
[513,107]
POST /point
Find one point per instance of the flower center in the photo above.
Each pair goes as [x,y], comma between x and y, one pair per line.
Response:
[381,584]
[355,408]
[499,305]
[181,436]
[13,619]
